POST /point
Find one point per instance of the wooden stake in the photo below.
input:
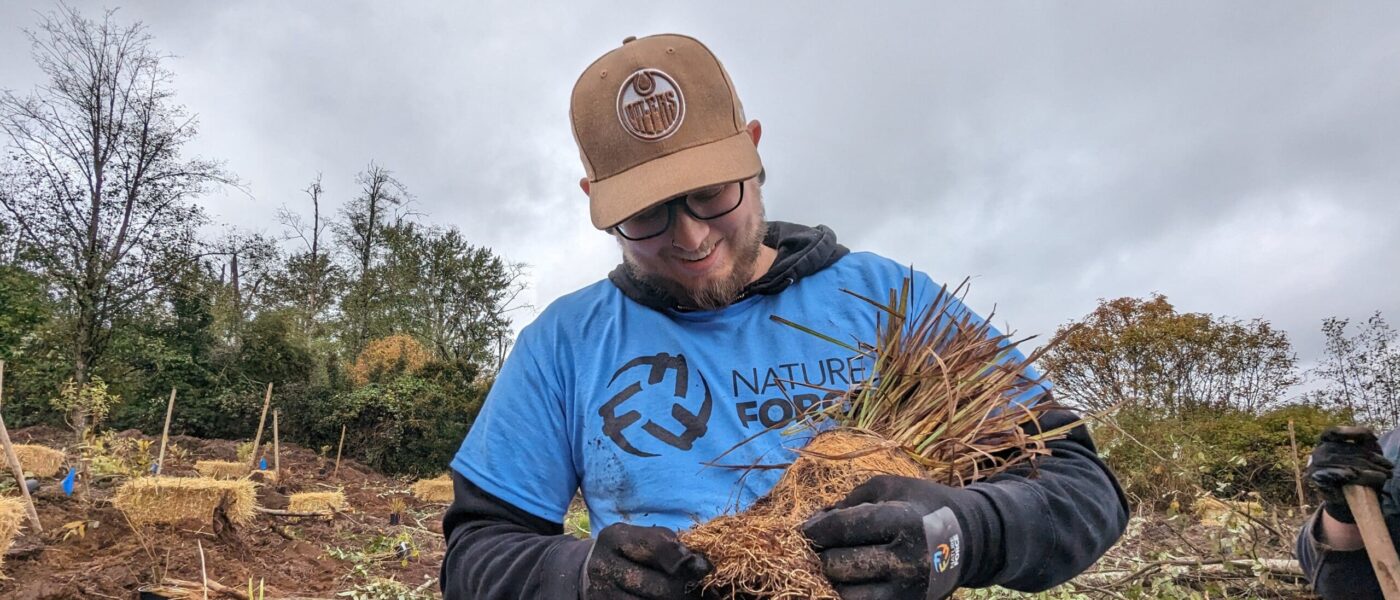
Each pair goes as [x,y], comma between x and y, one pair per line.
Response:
[165,434]
[257,440]
[276,448]
[1366,507]
[337,452]
[203,574]
[19,476]
[1297,471]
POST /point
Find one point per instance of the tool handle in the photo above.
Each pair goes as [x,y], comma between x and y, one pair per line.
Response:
[1366,507]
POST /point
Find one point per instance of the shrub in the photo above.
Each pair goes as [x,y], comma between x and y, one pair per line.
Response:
[406,425]
[386,358]
[1226,452]
[93,400]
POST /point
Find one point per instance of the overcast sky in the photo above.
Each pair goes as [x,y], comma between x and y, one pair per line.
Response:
[1242,158]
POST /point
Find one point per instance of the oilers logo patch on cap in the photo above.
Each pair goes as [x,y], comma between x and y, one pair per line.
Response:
[650,105]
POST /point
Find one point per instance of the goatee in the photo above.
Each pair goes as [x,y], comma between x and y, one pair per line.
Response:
[714,294]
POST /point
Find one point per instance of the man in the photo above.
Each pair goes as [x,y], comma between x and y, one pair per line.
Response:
[1329,547]
[628,390]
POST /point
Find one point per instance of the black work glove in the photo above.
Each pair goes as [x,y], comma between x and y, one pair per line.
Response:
[630,562]
[897,538]
[1346,456]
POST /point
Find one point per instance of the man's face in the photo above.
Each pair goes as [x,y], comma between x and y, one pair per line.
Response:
[702,264]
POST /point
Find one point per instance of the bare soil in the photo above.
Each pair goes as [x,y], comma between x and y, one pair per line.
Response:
[295,558]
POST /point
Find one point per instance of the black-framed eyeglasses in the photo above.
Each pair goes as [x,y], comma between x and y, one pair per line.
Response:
[703,204]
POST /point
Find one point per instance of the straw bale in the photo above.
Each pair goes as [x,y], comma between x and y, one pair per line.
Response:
[221,469]
[42,461]
[163,499]
[437,490]
[1225,513]
[317,502]
[11,517]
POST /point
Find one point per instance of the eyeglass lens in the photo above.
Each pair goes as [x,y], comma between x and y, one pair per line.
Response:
[705,204]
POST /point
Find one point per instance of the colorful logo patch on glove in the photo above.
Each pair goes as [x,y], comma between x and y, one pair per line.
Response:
[941,556]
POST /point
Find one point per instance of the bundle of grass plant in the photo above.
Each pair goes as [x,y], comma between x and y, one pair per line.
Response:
[221,469]
[437,490]
[11,517]
[42,461]
[175,499]
[936,405]
[317,502]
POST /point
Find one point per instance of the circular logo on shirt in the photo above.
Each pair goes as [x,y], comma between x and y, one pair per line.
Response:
[650,105]
[647,378]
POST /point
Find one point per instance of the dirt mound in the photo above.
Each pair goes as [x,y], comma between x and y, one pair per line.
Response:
[90,550]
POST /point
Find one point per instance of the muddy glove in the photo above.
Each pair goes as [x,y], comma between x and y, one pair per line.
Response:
[898,538]
[1346,456]
[632,562]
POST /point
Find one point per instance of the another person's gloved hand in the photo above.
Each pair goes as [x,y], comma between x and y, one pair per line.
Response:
[1346,456]
[629,561]
[898,538]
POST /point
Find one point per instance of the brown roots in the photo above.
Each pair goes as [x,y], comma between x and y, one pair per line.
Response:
[760,553]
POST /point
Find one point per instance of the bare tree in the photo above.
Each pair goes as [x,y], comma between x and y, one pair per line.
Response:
[95,181]
[379,206]
[311,275]
[1361,370]
[251,262]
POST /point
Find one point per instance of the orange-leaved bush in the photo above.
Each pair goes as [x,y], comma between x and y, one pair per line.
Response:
[387,357]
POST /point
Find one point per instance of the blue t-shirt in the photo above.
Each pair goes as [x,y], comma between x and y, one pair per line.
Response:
[628,403]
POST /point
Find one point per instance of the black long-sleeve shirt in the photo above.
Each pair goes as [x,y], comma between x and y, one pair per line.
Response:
[1055,518]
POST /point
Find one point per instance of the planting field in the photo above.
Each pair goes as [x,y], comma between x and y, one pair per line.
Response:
[1199,551]
[94,552]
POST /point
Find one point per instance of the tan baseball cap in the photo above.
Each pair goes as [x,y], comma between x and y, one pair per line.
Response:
[656,118]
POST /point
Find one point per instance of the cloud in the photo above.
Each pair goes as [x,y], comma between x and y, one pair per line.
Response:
[1238,157]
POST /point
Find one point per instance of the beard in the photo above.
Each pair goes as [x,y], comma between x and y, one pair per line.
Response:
[715,293]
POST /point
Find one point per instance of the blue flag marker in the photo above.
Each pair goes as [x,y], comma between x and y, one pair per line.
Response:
[153,467]
[262,464]
[68,482]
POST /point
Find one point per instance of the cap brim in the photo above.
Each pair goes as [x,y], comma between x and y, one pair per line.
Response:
[613,200]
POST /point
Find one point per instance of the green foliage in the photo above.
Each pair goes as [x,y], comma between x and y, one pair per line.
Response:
[154,358]
[1225,452]
[23,307]
[1064,592]
[576,523]
[92,400]
[125,457]
[35,374]
[270,352]
[379,588]
[408,425]
[243,452]
[380,549]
